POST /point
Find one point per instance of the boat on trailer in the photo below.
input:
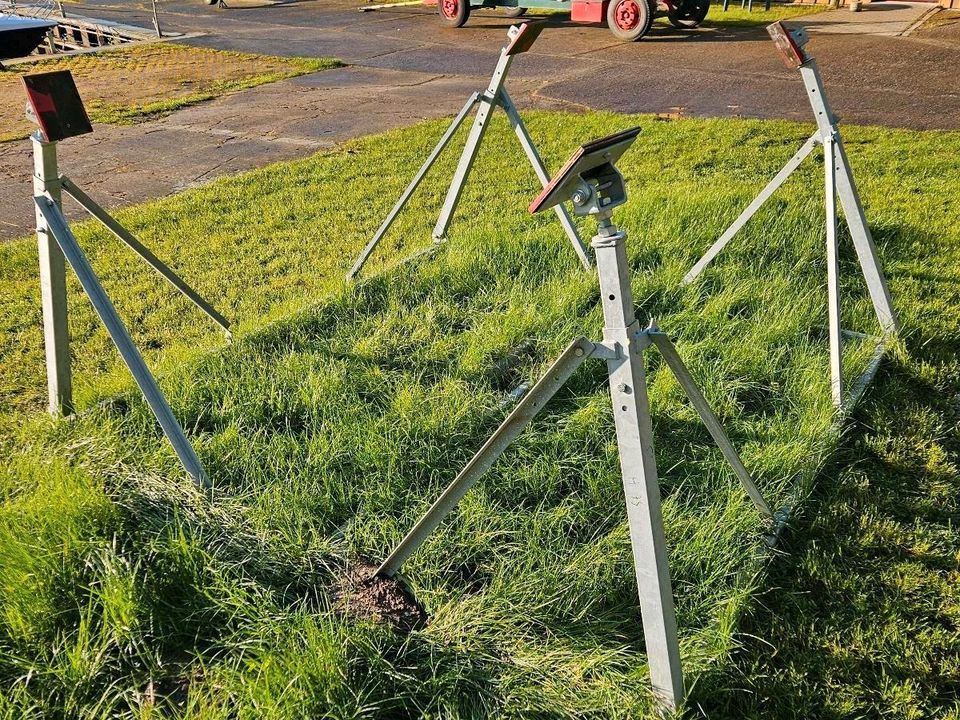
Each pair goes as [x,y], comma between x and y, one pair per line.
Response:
[20,36]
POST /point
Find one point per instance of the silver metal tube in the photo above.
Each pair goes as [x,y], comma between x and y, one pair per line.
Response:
[454,126]
[712,422]
[850,200]
[631,412]
[88,204]
[538,167]
[488,102]
[121,338]
[863,242]
[53,284]
[535,400]
[752,208]
[833,274]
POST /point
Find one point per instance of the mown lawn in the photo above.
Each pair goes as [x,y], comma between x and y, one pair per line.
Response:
[130,84]
[339,413]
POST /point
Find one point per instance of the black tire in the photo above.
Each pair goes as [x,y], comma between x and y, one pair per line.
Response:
[688,14]
[514,12]
[454,13]
[629,20]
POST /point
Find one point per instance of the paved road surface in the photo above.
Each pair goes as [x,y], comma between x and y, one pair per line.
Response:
[405,67]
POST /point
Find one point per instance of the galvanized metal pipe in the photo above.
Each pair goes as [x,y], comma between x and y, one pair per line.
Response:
[414,184]
[631,412]
[121,338]
[88,204]
[712,422]
[833,275]
[779,179]
[53,283]
[531,151]
[525,411]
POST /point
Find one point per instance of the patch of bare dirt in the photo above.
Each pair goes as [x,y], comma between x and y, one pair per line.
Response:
[370,597]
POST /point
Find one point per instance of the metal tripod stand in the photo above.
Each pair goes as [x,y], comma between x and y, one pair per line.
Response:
[595,186]
[838,182]
[55,105]
[521,38]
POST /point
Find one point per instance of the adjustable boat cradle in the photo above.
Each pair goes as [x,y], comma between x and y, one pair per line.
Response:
[591,181]
[55,105]
[521,38]
[838,181]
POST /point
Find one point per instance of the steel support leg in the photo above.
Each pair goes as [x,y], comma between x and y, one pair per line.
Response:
[863,241]
[752,208]
[53,284]
[488,102]
[534,401]
[444,141]
[850,199]
[118,333]
[699,402]
[833,274]
[531,151]
[631,412]
[88,204]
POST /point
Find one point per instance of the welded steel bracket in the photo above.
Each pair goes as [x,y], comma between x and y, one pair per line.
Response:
[520,37]
[593,183]
[56,226]
[838,183]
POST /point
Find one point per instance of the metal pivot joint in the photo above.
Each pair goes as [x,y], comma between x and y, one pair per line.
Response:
[521,38]
[595,187]
[838,184]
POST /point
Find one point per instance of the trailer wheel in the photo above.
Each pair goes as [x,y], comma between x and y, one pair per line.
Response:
[514,12]
[454,13]
[629,19]
[689,14]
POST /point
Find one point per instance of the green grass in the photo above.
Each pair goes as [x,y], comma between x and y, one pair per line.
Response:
[340,412]
[735,16]
[134,83]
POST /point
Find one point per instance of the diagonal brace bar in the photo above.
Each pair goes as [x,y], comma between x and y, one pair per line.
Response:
[121,338]
[752,208]
[488,103]
[689,385]
[88,204]
[516,121]
[534,401]
[418,178]
[863,241]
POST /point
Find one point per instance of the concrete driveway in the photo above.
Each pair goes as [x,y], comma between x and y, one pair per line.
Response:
[405,67]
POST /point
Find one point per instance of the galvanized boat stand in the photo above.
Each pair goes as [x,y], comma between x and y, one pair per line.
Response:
[521,38]
[838,180]
[595,187]
[55,105]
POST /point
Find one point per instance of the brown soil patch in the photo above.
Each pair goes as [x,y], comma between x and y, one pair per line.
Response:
[369,597]
[127,84]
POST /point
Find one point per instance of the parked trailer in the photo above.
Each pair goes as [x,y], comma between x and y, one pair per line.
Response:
[627,19]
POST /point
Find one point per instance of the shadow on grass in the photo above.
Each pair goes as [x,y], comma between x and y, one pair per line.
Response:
[861,619]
